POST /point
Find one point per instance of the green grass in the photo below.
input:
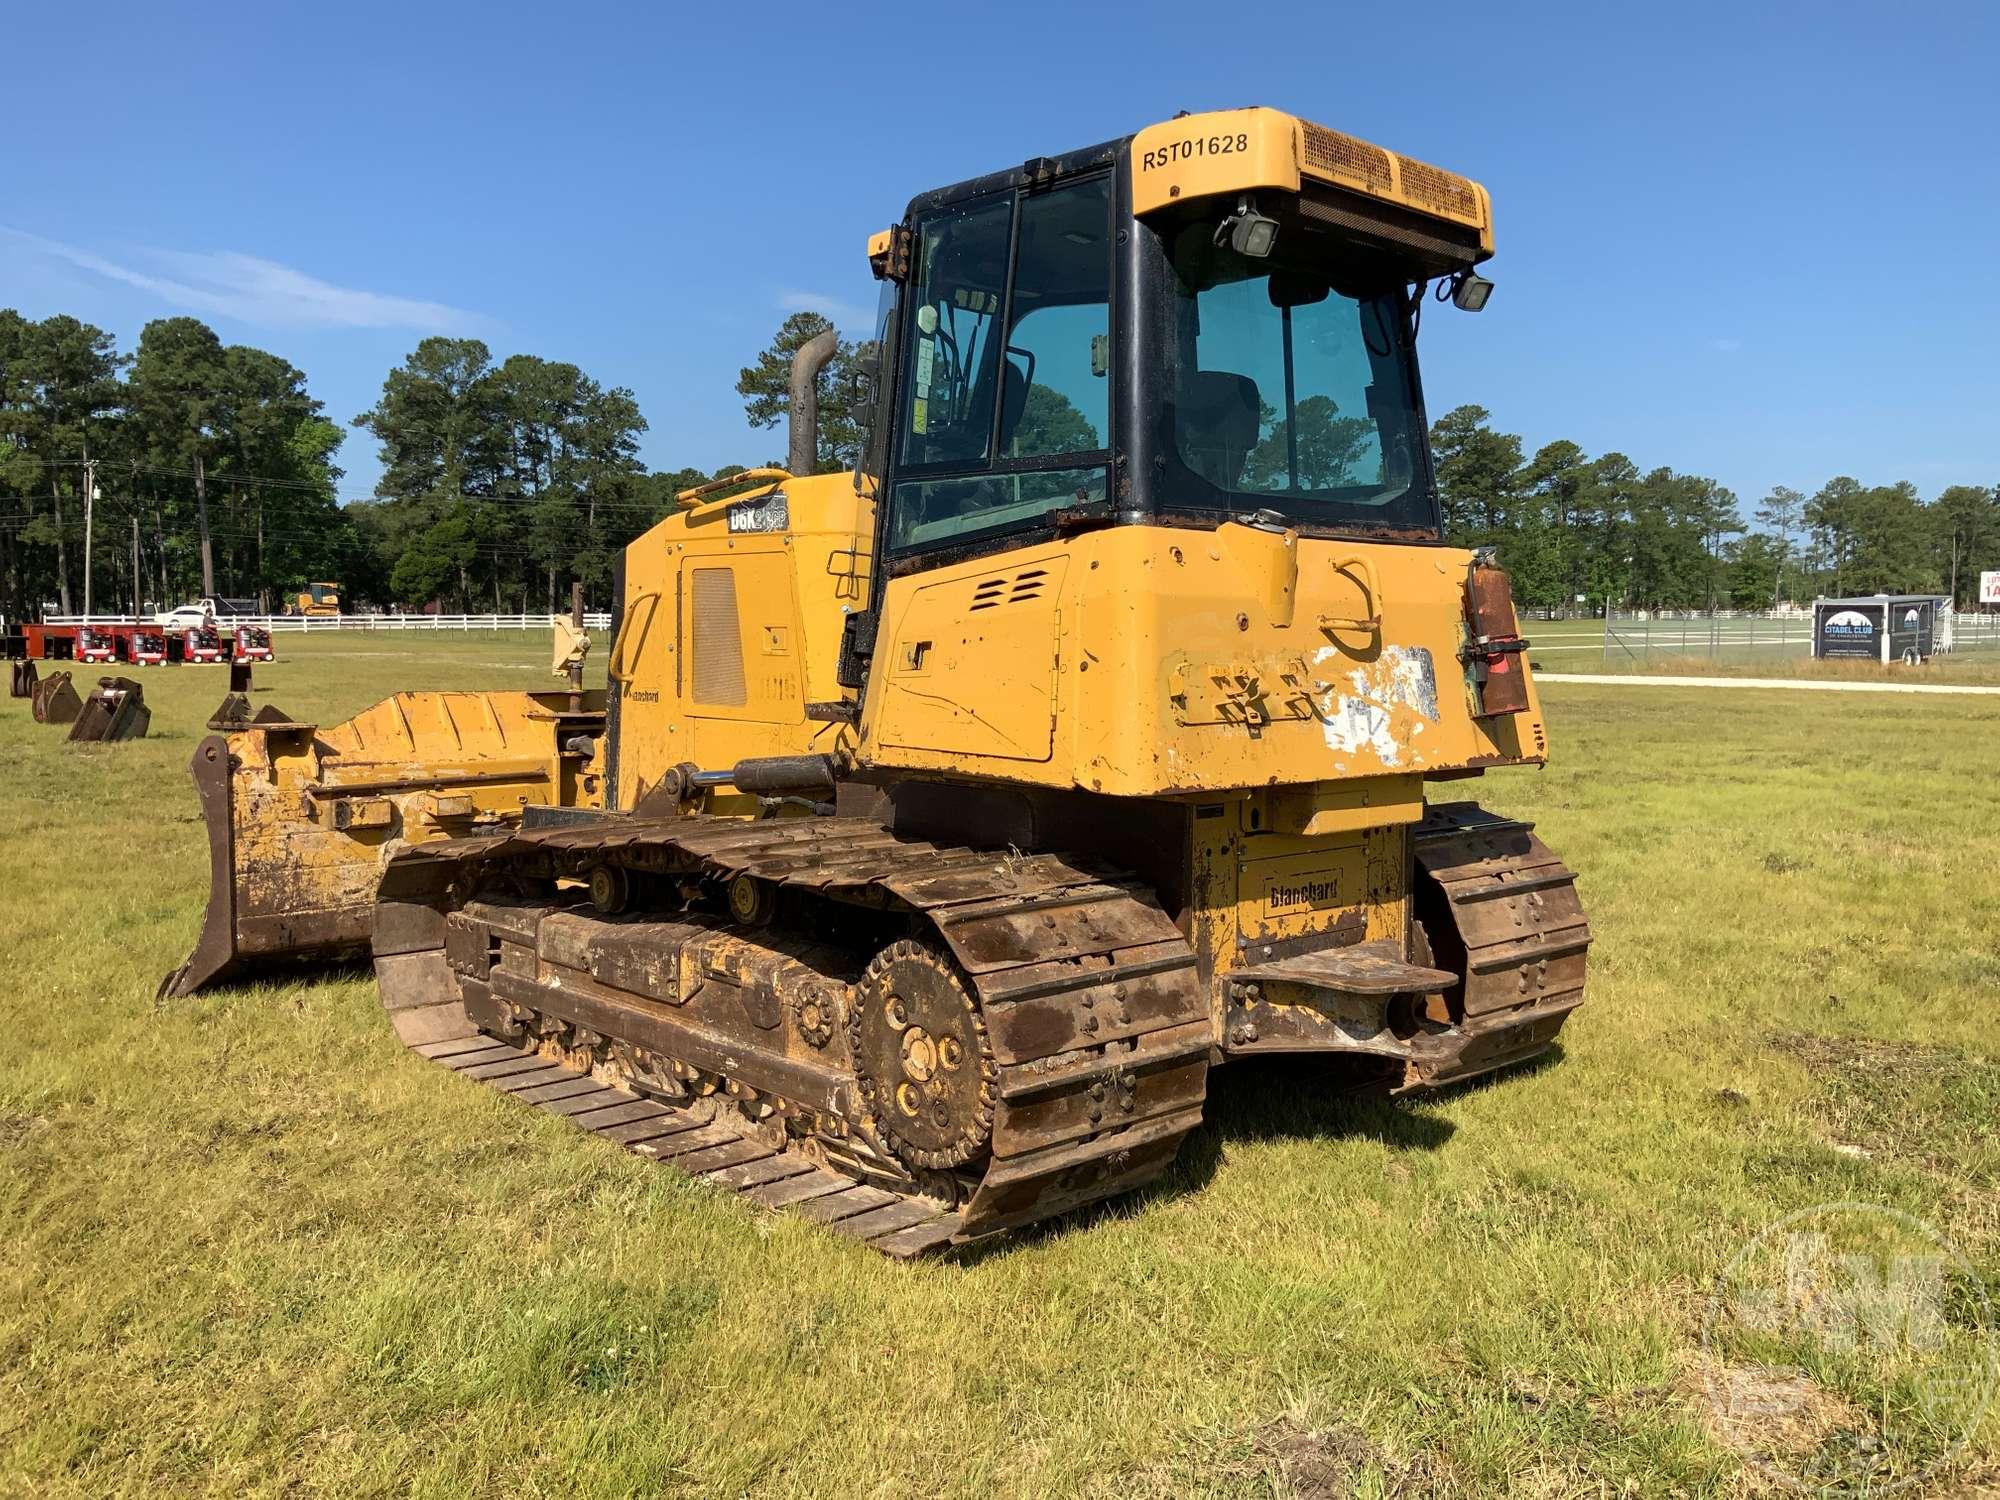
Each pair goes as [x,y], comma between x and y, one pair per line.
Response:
[253,1246]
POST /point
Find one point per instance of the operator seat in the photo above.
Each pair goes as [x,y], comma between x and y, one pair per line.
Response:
[1215,424]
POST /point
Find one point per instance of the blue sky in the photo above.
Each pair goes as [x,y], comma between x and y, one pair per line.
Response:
[1748,241]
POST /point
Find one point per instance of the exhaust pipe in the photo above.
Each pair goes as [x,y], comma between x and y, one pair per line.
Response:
[806,365]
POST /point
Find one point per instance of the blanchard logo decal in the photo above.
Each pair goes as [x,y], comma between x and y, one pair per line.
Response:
[1303,893]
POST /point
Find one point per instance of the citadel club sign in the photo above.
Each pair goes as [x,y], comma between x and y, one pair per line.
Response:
[1885,628]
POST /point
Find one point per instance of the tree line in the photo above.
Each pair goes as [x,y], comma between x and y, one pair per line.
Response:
[186,461]
[196,467]
[1582,532]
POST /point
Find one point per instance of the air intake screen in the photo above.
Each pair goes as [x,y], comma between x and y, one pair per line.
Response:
[718,639]
[1342,156]
[1441,192]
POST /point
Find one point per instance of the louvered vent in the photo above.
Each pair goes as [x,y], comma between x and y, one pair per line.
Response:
[993,592]
[718,639]
[1342,156]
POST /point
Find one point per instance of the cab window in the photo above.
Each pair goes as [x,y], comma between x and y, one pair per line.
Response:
[999,431]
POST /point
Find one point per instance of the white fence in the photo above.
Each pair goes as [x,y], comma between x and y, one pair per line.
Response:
[599,620]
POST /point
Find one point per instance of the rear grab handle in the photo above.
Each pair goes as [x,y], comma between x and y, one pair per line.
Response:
[1365,572]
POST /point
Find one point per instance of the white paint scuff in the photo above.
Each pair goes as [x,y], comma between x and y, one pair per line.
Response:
[1401,677]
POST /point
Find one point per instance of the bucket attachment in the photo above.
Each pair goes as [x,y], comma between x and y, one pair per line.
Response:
[115,711]
[55,700]
[302,820]
[22,681]
[234,712]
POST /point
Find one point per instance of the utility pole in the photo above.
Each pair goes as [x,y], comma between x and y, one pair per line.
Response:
[576,667]
[89,511]
[201,519]
[136,613]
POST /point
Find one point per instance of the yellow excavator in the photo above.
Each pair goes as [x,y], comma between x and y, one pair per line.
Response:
[947,821]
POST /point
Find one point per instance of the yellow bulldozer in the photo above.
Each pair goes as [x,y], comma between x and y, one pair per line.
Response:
[945,822]
[316,600]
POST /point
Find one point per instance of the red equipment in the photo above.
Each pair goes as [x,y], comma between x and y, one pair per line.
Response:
[148,647]
[201,644]
[95,645]
[252,643]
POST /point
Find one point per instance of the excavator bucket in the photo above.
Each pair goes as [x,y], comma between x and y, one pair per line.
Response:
[21,683]
[234,711]
[303,819]
[115,711]
[55,700]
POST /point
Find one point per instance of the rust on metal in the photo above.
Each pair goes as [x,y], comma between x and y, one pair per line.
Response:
[991,1041]
[302,820]
[55,699]
[115,711]
[1496,653]
[1501,911]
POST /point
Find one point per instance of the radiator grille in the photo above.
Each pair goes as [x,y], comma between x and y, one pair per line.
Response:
[718,639]
[1337,155]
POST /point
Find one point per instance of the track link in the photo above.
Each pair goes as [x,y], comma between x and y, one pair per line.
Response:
[1098,1025]
[1501,910]
[716,1150]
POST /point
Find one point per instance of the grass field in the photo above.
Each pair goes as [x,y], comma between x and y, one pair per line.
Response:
[253,1246]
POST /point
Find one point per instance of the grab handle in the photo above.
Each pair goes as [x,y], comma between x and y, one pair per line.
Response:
[615,667]
[1366,571]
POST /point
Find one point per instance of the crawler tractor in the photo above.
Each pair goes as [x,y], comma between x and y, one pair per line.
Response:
[945,823]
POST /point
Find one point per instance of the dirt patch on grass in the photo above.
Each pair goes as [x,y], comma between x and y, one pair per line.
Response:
[1838,1056]
[1922,1105]
[1332,1462]
[15,1129]
[1763,1411]
[1791,1431]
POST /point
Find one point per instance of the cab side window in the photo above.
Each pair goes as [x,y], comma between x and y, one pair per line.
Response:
[999,431]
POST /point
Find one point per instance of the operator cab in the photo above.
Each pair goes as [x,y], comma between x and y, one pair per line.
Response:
[1212,320]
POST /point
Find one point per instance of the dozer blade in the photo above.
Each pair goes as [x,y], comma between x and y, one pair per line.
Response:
[55,700]
[115,711]
[302,820]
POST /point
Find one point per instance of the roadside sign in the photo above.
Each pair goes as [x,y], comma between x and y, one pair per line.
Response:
[1849,630]
[1989,588]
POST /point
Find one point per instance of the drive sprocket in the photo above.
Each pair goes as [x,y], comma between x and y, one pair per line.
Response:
[923,1057]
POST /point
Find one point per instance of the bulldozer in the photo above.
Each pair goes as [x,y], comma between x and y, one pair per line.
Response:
[315,599]
[945,822]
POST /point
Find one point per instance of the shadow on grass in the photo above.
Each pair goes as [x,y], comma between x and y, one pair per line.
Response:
[1277,1099]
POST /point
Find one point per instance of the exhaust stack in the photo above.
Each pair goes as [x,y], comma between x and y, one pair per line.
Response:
[806,365]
